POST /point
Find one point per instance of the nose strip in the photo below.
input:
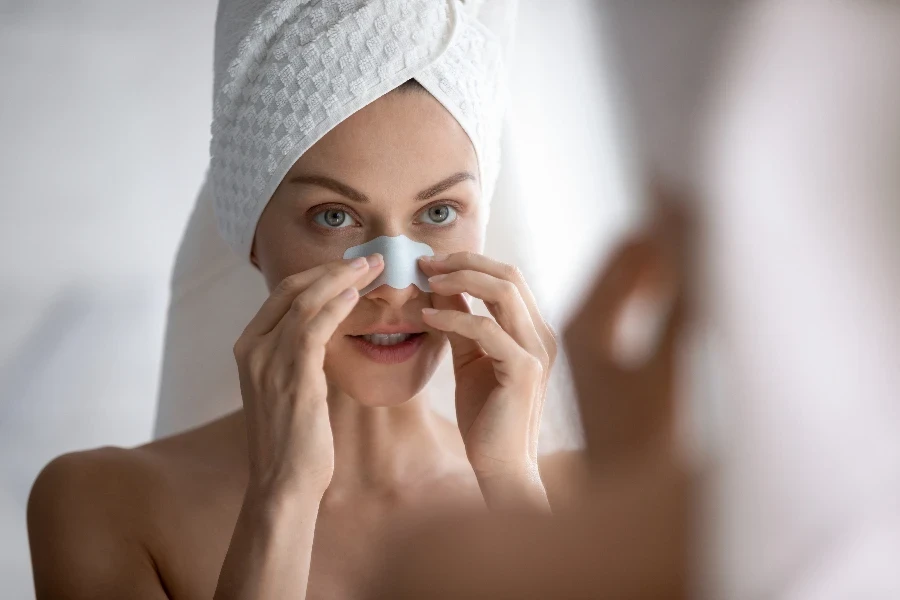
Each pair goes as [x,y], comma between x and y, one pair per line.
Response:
[401,268]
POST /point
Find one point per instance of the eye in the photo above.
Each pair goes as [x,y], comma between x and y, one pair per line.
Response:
[334,218]
[439,214]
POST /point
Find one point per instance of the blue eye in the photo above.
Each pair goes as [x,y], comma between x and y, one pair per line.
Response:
[334,219]
[439,214]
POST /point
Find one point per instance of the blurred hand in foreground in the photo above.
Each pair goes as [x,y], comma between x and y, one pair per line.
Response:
[627,535]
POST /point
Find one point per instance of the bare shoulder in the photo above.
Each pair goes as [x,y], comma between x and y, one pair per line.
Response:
[85,525]
[93,482]
[99,520]
[564,475]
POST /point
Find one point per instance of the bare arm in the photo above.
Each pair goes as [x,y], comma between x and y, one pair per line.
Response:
[271,548]
[291,452]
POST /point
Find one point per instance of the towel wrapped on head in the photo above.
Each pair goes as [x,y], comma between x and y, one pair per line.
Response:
[289,71]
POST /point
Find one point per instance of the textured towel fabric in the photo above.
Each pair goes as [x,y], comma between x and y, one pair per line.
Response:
[302,67]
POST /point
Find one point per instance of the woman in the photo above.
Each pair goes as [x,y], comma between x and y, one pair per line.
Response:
[335,437]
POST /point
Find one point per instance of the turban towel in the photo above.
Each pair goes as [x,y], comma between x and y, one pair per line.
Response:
[299,68]
[215,292]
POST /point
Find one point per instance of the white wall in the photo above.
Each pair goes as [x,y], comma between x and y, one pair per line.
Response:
[104,117]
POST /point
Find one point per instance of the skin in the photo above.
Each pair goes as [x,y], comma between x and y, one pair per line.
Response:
[329,446]
[627,533]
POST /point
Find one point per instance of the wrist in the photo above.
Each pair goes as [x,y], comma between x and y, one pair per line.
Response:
[506,471]
[281,500]
[289,484]
[522,490]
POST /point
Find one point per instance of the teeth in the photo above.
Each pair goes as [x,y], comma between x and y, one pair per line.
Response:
[387,339]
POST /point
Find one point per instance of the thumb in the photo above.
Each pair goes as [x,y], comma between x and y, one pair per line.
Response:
[464,350]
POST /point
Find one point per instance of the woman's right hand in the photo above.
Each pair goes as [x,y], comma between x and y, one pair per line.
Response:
[280,358]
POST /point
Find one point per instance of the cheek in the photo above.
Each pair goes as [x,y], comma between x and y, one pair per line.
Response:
[468,237]
[286,250]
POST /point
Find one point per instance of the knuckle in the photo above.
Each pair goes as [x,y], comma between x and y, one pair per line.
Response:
[247,351]
[338,268]
[240,348]
[301,306]
[533,366]
[288,284]
[486,325]
[511,272]
[341,270]
[509,290]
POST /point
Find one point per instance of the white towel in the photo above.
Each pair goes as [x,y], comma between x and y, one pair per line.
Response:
[289,71]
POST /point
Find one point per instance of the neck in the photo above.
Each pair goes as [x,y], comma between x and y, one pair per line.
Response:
[382,449]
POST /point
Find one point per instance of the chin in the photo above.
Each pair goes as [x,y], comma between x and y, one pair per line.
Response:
[383,376]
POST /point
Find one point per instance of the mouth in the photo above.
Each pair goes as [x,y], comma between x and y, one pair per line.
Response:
[388,348]
[387,339]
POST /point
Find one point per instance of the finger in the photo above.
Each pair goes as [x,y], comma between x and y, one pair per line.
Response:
[463,349]
[479,262]
[510,360]
[306,344]
[594,322]
[503,300]
[622,407]
[279,301]
[309,302]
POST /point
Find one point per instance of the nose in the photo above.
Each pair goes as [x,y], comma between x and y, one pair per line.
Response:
[392,297]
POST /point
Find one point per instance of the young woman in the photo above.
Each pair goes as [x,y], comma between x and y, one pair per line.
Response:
[289,496]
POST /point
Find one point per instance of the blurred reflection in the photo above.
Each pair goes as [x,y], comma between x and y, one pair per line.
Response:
[797,497]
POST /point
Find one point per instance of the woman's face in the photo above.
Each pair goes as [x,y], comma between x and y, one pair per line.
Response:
[400,166]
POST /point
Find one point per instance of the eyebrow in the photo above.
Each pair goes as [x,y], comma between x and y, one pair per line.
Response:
[443,186]
[331,184]
[348,192]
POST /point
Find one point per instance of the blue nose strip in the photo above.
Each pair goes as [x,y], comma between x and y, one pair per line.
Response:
[401,268]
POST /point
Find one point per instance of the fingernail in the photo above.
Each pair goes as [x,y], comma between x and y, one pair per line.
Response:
[436,278]
[374,260]
[349,294]
[358,263]
[437,257]
[429,311]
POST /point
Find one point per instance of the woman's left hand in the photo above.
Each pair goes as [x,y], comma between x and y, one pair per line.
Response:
[501,365]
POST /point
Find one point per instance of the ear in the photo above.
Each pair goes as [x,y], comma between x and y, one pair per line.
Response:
[499,16]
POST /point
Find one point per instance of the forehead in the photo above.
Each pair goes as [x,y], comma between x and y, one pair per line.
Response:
[402,141]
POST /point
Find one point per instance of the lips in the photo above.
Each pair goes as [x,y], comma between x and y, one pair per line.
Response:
[389,349]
